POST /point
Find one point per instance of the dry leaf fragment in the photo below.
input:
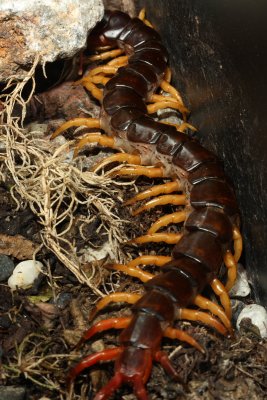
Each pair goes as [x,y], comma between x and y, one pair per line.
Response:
[17,246]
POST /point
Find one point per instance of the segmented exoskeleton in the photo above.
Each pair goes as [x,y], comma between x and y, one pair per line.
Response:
[209,236]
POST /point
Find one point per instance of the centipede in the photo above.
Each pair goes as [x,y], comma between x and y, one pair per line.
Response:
[130,88]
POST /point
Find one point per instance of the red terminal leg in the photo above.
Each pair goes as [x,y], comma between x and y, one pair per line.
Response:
[112,323]
[92,359]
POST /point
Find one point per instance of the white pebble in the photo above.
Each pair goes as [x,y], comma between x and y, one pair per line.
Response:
[258,318]
[241,287]
[25,274]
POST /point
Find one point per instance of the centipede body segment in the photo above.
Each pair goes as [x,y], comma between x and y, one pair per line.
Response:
[209,236]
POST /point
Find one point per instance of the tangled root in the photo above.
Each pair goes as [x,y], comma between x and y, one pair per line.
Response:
[52,186]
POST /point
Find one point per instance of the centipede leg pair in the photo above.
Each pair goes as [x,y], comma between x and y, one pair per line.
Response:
[127,89]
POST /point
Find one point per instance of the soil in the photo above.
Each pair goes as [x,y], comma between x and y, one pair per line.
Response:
[40,326]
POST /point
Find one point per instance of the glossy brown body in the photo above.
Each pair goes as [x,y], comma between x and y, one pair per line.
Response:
[198,256]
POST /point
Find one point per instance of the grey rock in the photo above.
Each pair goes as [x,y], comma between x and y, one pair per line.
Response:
[6,267]
[12,392]
[48,30]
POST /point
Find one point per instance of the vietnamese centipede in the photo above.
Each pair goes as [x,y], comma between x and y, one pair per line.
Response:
[210,233]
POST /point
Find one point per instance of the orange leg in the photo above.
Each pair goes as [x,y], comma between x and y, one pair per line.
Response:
[106,69]
[117,297]
[166,188]
[206,304]
[152,108]
[88,122]
[132,271]
[119,62]
[151,172]
[170,238]
[168,88]
[98,79]
[93,89]
[149,260]
[155,98]
[221,291]
[207,319]
[231,265]
[106,55]
[175,199]
[181,127]
[174,218]
[103,140]
[238,243]
[172,333]
[104,325]
[142,16]
[120,157]
[168,75]
[92,359]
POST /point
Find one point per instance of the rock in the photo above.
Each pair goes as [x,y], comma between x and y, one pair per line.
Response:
[6,267]
[25,273]
[12,392]
[241,287]
[253,318]
[237,307]
[50,30]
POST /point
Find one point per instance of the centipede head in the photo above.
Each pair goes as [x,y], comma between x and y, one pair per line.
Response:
[107,30]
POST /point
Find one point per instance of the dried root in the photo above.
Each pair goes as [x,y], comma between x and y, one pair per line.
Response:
[54,187]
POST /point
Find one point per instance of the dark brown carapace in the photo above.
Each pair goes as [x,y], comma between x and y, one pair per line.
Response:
[209,238]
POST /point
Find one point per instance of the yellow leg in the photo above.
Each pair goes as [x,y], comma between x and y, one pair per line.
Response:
[98,79]
[106,55]
[149,260]
[119,62]
[106,69]
[170,238]
[155,98]
[206,304]
[207,319]
[120,157]
[238,243]
[168,88]
[88,122]
[231,265]
[175,199]
[168,75]
[132,271]
[174,218]
[152,108]
[151,172]
[166,188]
[142,15]
[181,127]
[117,297]
[103,140]
[220,291]
[172,333]
[94,90]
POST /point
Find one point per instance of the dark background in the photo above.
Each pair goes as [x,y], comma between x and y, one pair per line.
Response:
[218,58]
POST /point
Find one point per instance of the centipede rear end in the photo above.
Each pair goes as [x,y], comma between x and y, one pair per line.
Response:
[131,88]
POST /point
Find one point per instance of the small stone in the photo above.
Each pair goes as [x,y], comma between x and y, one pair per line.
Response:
[6,267]
[24,274]
[63,300]
[241,287]
[256,316]
[12,392]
